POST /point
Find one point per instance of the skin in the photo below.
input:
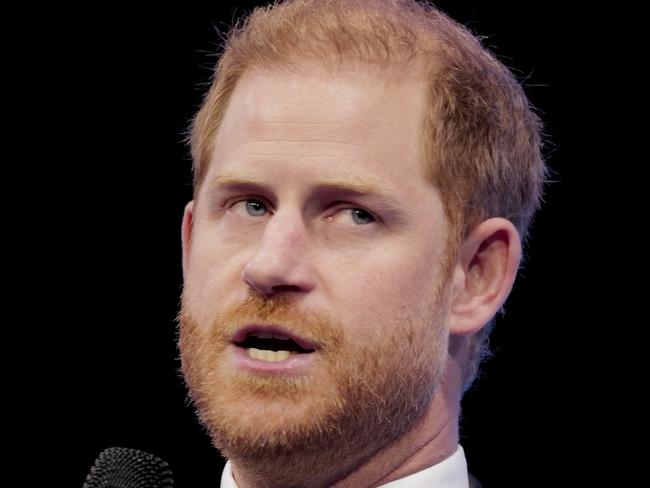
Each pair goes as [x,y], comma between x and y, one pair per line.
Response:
[359,272]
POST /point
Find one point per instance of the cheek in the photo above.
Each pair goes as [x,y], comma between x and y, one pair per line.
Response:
[214,248]
[214,271]
[385,291]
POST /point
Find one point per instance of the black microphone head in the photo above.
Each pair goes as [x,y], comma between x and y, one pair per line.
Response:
[120,467]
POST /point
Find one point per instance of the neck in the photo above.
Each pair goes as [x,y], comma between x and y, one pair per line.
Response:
[430,440]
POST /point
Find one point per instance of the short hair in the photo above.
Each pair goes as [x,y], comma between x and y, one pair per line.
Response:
[482,142]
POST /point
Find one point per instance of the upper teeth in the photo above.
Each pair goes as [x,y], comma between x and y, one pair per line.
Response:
[266,355]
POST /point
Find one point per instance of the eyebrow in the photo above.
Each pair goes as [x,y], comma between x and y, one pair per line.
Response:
[348,186]
[351,186]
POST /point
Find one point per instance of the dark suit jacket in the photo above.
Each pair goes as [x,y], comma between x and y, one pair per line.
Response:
[473,482]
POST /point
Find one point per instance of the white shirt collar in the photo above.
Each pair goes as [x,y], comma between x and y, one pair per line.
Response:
[450,473]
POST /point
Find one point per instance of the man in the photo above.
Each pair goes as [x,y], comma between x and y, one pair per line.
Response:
[365,173]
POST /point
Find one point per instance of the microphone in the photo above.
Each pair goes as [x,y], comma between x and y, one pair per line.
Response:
[120,467]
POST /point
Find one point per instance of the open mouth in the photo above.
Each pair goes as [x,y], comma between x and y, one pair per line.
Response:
[271,346]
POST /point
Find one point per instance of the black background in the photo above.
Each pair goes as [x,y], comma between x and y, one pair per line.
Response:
[118,89]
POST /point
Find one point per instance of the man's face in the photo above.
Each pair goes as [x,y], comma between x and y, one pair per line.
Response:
[315,217]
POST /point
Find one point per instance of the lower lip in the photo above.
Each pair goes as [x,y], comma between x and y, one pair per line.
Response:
[294,365]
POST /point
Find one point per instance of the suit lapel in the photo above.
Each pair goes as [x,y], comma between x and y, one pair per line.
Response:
[473,482]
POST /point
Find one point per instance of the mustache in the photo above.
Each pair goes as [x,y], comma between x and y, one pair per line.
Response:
[282,310]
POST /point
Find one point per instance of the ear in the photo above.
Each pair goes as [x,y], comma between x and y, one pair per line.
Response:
[186,234]
[484,274]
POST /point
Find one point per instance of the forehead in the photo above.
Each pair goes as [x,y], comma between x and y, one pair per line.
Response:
[349,124]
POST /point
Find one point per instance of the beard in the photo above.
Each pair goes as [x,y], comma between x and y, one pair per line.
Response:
[358,396]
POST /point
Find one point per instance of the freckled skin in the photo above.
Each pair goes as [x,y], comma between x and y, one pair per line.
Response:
[372,280]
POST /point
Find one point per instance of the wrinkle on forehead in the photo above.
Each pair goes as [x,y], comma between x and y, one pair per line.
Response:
[356,109]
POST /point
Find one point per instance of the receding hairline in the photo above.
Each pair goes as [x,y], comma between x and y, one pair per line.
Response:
[417,71]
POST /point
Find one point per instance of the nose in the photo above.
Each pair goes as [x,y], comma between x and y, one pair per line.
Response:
[280,262]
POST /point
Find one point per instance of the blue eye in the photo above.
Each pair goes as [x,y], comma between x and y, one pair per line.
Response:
[257,208]
[254,208]
[361,217]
